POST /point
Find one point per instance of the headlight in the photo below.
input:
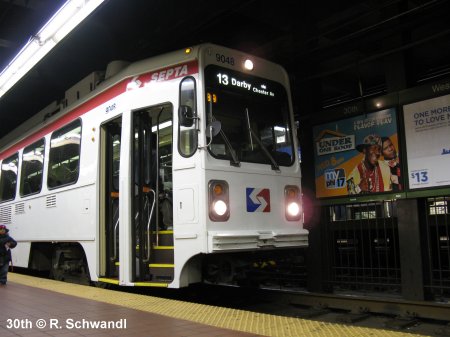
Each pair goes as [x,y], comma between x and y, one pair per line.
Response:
[218,199]
[293,209]
[292,202]
[220,207]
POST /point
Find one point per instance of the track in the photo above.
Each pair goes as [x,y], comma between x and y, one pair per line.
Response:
[424,318]
[431,319]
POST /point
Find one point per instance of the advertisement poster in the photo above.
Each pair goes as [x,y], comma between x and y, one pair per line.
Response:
[358,155]
[427,133]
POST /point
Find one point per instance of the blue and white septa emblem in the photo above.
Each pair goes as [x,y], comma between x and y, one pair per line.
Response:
[258,199]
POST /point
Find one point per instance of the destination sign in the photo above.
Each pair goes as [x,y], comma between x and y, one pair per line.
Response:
[233,81]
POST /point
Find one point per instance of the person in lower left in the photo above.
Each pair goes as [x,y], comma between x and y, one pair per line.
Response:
[6,244]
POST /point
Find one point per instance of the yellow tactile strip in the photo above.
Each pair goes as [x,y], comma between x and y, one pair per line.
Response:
[240,320]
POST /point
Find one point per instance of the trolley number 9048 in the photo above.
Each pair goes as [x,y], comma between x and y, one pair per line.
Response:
[224,59]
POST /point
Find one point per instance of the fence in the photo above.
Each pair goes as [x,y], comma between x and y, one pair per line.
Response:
[363,247]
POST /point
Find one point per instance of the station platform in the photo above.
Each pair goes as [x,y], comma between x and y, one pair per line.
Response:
[31,307]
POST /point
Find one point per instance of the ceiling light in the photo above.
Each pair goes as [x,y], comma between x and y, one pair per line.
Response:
[162,126]
[70,15]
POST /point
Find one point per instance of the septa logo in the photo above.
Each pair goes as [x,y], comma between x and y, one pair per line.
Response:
[335,178]
[165,74]
[258,199]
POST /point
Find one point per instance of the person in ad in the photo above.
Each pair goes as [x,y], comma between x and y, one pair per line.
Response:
[371,175]
[391,158]
[6,244]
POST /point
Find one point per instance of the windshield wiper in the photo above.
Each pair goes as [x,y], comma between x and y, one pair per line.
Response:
[234,161]
[275,166]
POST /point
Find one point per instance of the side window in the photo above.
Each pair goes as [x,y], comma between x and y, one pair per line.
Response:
[64,157]
[187,135]
[32,168]
[8,181]
[115,161]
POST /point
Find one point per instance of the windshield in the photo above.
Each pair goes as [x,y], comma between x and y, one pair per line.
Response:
[254,117]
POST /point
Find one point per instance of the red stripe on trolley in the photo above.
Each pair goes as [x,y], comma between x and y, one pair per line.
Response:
[164,74]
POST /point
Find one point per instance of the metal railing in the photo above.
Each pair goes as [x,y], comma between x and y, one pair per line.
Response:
[437,277]
[363,247]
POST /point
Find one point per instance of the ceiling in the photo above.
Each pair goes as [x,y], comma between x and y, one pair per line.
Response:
[340,50]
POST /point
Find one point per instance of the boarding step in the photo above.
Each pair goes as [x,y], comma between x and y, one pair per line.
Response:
[155,283]
[165,238]
[109,280]
[162,271]
[162,254]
